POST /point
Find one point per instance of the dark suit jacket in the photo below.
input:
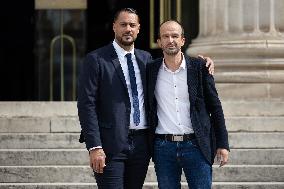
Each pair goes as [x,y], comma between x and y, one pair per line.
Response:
[205,107]
[103,100]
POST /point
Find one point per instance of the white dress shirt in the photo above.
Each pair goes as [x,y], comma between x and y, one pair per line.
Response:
[123,62]
[173,105]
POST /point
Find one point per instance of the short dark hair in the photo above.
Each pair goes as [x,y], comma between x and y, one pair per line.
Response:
[129,10]
[182,29]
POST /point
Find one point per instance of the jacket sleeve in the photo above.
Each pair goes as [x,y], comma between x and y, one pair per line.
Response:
[88,85]
[214,108]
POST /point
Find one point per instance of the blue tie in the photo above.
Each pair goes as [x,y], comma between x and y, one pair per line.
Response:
[136,115]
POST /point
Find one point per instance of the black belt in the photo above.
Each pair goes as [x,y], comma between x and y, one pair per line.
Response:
[176,138]
[135,132]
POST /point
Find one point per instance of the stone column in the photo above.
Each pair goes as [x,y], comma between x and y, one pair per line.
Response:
[245,38]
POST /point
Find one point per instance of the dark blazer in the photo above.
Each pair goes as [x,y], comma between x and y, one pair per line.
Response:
[205,107]
[103,100]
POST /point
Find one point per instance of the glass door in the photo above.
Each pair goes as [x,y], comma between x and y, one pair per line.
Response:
[60,41]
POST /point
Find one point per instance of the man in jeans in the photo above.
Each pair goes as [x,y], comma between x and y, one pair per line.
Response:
[186,116]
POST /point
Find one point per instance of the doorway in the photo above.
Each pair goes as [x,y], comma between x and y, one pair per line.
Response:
[26,35]
[16,51]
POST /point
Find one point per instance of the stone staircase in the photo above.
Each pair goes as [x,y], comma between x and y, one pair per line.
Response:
[39,147]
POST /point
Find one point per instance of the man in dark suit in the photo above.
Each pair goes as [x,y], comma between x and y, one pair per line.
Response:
[186,116]
[111,107]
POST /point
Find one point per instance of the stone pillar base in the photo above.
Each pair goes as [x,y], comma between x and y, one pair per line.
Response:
[245,69]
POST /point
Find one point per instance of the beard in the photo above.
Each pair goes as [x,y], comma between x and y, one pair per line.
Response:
[125,41]
[171,51]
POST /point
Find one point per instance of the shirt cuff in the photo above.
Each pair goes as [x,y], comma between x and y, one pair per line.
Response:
[93,148]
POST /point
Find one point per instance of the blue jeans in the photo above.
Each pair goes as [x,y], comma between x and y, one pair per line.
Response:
[171,158]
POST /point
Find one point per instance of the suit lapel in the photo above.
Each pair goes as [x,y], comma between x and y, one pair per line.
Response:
[117,66]
[142,67]
[192,80]
[153,72]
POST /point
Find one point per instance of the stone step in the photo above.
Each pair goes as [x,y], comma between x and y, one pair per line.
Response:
[24,157]
[39,140]
[247,185]
[78,174]
[237,173]
[39,124]
[253,108]
[70,140]
[255,124]
[147,185]
[257,140]
[38,109]
[260,89]
[71,124]
[58,109]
